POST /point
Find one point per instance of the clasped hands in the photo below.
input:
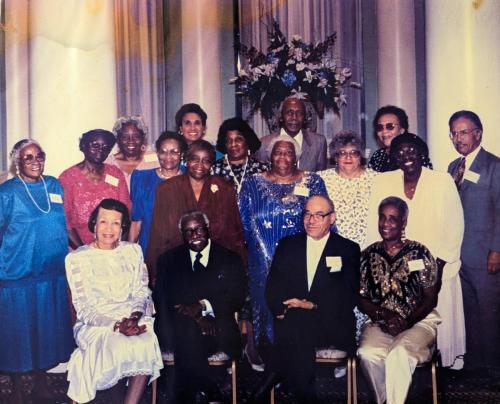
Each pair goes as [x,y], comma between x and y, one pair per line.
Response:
[295,303]
[193,310]
[391,322]
[130,326]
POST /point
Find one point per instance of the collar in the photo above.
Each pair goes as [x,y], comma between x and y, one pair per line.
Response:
[299,137]
[469,159]
[318,243]
[204,254]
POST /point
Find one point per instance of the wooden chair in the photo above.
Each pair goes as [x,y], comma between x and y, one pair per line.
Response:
[333,357]
[217,359]
[433,364]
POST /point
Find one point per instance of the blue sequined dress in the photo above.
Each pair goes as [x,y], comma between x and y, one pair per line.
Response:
[269,212]
[36,330]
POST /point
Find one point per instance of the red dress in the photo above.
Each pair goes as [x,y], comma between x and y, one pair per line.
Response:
[81,196]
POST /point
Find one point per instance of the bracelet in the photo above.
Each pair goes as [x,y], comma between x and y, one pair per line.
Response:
[315,306]
[135,316]
[117,325]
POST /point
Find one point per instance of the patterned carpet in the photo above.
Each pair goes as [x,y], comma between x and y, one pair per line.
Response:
[453,388]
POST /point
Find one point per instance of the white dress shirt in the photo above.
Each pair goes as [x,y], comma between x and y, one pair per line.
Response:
[469,159]
[314,250]
[204,261]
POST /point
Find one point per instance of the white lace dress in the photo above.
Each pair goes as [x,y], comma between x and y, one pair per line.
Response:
[107,285]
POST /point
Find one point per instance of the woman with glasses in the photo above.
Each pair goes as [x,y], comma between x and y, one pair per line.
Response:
[349,184]
[36,330]
[389,122]
[436,220]
[133,152]
[170,148]
[196,189]
[271,205]
[89,182]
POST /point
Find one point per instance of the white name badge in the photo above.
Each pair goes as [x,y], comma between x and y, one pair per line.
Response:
[334,263]
[150,158]
[301,190]
[56,198]
[111,180]
[416,265]
[471,176]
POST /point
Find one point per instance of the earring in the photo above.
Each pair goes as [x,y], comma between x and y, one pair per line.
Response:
[403,235]
[248,152]
[143,148]
[17,169]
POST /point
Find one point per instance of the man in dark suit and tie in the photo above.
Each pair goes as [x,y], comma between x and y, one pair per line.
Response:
[200,286]
[311,291]
[312,145]
[477,175]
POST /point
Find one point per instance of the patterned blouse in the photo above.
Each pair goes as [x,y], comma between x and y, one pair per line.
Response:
[380,162]
[234,173]
[351,198]
[397,283]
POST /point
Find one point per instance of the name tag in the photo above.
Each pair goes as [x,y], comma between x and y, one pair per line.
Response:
[471,176]
[150,158]
[301,190]
[111,180]
[416,265]
[56,198]
[334,263]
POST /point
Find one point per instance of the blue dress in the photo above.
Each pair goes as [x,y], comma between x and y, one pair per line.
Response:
[143,184]
[36,330]
[269,212]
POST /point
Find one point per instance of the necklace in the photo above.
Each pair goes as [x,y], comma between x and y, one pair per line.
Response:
[165,177]
[33,199]
[238,183]
[393,249]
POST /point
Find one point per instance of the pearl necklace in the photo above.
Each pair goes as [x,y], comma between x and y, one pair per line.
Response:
[31,197]
[238,183]
[163,176]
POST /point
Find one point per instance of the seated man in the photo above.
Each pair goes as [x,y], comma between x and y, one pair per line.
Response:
[399,289]
[311,291]
[199,288]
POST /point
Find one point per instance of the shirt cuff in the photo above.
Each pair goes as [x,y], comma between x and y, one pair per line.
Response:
[209,311]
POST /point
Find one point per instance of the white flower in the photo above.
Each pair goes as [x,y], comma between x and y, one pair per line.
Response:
[298,53]
[309,77]
[242,73]
[297,38]
[299,94]
[322,83]
[300,66]
[233,80]
[268,224]
[346,72]
[214,188]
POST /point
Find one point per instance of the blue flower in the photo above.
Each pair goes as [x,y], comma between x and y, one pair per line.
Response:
[322,74]
[288,78]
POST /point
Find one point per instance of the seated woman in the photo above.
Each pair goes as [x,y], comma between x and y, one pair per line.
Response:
[238,141]
[133,153]
[114,328]
[400,281]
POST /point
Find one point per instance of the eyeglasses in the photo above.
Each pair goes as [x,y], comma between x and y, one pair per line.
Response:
[388,126]
[30,158]
[173,152]
[316,216]
[463,132]
[199,230]
[99,146]
[351,153]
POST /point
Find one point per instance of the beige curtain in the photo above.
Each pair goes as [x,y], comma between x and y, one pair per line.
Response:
[314,20]
[140,62]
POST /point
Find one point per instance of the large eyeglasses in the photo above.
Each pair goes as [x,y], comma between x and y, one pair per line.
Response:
[30,158]
[351,153]
[99,146]
[199,230]
[388,126]
[316,216]
[173,152]
[464,132]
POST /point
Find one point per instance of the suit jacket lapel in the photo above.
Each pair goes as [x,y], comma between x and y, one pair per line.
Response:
[322,270]
[476,166]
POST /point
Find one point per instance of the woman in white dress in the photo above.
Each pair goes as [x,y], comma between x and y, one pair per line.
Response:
[114,328]
[435,220]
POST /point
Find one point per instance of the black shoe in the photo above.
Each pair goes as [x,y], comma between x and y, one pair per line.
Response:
[263,393]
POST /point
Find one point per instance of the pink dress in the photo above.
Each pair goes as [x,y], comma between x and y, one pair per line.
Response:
[81,196]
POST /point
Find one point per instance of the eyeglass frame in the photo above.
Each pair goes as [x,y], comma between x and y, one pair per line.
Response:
[381,126]
[40,158]
[199,230]
[350,153]
[463,132]
[316,216]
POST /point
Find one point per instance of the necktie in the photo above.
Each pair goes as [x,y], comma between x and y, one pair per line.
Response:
[197,265]
[459,174]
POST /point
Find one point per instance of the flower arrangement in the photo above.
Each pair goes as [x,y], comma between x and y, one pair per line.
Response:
[296,69]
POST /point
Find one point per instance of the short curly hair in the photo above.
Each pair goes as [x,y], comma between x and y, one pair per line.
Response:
[200,145]
[111,204]
[344,138]
[91,134]
[136,120]
[391,109]
[241,126]
[173,136]
[190,108]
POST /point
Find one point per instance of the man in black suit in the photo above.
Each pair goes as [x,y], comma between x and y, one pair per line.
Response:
[199,288]
[311,291]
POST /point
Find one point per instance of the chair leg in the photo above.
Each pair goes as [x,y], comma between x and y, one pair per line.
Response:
[272,395]
[349,380]
[233,382]
[434,383]
[153,392]
[354,382]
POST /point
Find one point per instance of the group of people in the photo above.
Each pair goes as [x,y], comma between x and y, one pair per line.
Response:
[162,251]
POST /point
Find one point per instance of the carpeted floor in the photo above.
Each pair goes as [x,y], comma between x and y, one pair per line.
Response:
[453,388]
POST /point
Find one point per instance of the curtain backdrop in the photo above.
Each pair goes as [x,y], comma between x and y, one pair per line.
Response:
[140,62]
[314,20]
